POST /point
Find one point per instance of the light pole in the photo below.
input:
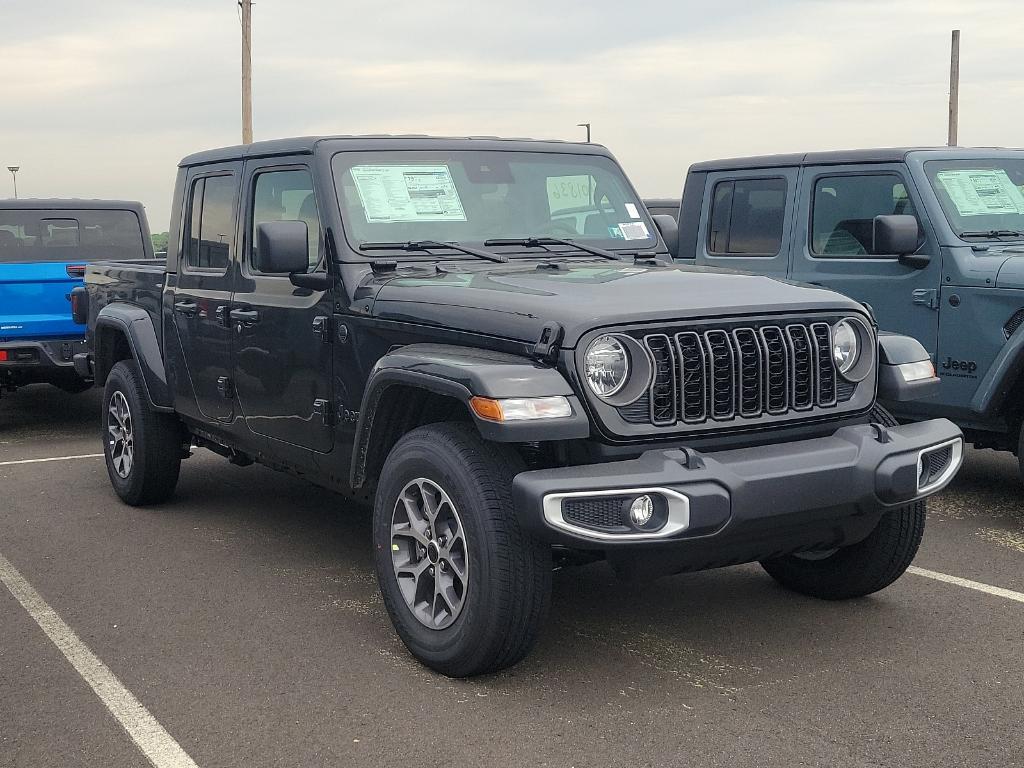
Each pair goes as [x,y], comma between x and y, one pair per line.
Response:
[14,175]
[587,126]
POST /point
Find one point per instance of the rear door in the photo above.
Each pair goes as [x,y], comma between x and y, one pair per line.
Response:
[202,294]
[745,220]
[282,349]
[43,253]
[833,245]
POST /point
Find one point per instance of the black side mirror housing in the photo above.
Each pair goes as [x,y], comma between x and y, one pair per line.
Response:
[282,247]
[895,235]
[669,230]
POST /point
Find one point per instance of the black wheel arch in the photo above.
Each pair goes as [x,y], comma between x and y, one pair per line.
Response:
[125,331]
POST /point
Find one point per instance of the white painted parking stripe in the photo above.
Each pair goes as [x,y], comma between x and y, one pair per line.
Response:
[155,743]
[1009,594]
[55,458]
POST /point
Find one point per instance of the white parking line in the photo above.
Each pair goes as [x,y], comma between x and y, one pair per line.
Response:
[1009,594]
[55,458]
[155,743]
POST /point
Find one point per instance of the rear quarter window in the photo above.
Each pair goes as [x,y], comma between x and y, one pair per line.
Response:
[33,236]
[747,217]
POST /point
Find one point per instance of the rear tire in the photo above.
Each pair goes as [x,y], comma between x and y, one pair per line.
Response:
[864,567]
[142,447]
[442,484]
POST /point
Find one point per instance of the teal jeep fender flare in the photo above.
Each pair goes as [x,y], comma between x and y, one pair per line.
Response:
[462,373]
[136,327]
[1000,378]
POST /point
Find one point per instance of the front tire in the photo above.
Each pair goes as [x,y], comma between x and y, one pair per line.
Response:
[466,588]
[142,448]
[862,568]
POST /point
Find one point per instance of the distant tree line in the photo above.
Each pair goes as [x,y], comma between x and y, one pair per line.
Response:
[159,241]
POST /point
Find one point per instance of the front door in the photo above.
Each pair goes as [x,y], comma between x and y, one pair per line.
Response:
[834,246]
[202,293]
[281,333]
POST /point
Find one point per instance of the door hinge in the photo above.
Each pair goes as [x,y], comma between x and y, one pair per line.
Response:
[323,408]
[322,328]
[928,297]
[226,387]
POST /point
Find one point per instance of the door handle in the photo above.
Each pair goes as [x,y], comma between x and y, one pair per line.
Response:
[246,318]
[186,308]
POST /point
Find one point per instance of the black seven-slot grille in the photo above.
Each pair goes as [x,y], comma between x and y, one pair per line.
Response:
[720,374]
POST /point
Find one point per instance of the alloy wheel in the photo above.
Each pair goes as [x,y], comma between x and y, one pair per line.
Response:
[121,437]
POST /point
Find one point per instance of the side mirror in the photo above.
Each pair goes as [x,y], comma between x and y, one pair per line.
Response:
[669,230]
[282,247]
[895,235]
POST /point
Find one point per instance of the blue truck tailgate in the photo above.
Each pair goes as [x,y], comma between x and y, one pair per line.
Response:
[34,300]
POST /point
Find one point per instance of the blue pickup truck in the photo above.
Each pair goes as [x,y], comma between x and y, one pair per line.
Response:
[44,248]
[931,238]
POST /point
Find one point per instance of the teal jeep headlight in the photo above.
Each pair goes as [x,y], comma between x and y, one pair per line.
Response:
[845,346]
[606,366]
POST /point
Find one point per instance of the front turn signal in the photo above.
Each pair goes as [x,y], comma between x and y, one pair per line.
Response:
[521,408]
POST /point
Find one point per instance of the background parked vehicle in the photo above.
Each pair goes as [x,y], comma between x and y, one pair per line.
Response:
[479,335]
[931,239]
[44,248]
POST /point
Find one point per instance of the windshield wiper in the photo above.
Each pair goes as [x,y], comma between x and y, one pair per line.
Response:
[993,233]
[433,245]
[541,242]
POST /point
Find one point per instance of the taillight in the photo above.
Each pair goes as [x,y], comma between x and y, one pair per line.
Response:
[76,270]
[79,305]
[3,355]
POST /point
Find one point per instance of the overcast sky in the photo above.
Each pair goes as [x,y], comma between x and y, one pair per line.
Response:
[102,98]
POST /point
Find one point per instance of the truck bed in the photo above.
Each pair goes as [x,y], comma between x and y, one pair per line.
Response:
[137,281]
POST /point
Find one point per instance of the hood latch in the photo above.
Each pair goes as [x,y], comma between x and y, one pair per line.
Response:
[547,346]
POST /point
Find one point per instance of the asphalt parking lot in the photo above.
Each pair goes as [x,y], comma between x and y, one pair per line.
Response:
[244,617]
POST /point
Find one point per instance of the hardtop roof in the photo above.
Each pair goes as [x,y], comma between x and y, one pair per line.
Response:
[305,145]
[69,204]
[836,157]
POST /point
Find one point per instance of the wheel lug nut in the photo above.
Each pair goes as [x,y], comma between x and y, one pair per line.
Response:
[431,570]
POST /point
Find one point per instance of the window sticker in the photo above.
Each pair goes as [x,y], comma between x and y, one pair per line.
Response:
[406,193]
[633,230]
[615,232]
[981,192]
[569,192]
[632,211]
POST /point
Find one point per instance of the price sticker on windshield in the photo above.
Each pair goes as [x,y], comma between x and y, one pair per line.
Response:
[982,192]
[407,193]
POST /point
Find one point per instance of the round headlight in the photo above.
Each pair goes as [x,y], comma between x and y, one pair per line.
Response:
[845,346]
[606,366]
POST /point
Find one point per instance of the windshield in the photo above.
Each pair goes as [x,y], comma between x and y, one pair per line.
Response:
[982,199]
[471,197]
[32,236]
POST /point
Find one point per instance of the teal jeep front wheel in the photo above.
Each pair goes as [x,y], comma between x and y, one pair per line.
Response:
[466,588]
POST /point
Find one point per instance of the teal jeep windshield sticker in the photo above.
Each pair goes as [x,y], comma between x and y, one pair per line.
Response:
[980,192]
[405,193]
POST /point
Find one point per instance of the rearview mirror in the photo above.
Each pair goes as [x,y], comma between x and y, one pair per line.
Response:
[895,235]
[669,230]
[282,247]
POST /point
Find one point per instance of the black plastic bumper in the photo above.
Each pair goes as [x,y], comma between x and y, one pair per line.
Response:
[759,501]
[41,361]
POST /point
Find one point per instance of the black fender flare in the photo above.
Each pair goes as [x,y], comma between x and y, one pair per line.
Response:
[136,326]
[1000,378]
[462,373]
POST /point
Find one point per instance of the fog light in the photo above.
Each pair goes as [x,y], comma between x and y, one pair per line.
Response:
[641,511]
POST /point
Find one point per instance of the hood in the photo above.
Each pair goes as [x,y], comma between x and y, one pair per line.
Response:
[516,300]
[1011,271]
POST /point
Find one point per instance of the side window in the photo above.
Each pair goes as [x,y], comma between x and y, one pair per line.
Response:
[747,217]
[844,209]
[286,196]
[212,228]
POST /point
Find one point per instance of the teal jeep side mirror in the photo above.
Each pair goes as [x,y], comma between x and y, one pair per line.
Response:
[898,235]
[669,230]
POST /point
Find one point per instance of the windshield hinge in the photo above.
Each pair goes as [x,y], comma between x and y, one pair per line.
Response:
[547,346]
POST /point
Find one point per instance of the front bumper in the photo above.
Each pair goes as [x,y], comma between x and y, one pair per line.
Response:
[754,502]
[40,361]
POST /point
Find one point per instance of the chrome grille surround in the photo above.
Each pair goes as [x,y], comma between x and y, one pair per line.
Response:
[715,375]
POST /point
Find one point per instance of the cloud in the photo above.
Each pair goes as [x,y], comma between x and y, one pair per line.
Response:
[111,100]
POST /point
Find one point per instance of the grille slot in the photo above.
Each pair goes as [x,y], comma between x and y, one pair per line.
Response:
[596,512]
[663,388]
[720,374]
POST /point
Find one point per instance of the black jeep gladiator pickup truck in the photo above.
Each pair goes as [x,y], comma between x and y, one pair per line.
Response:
[485,338]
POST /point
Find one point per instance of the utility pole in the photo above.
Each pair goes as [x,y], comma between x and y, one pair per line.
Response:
[587,126]
[246,6]
[14,175]
[954,87]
